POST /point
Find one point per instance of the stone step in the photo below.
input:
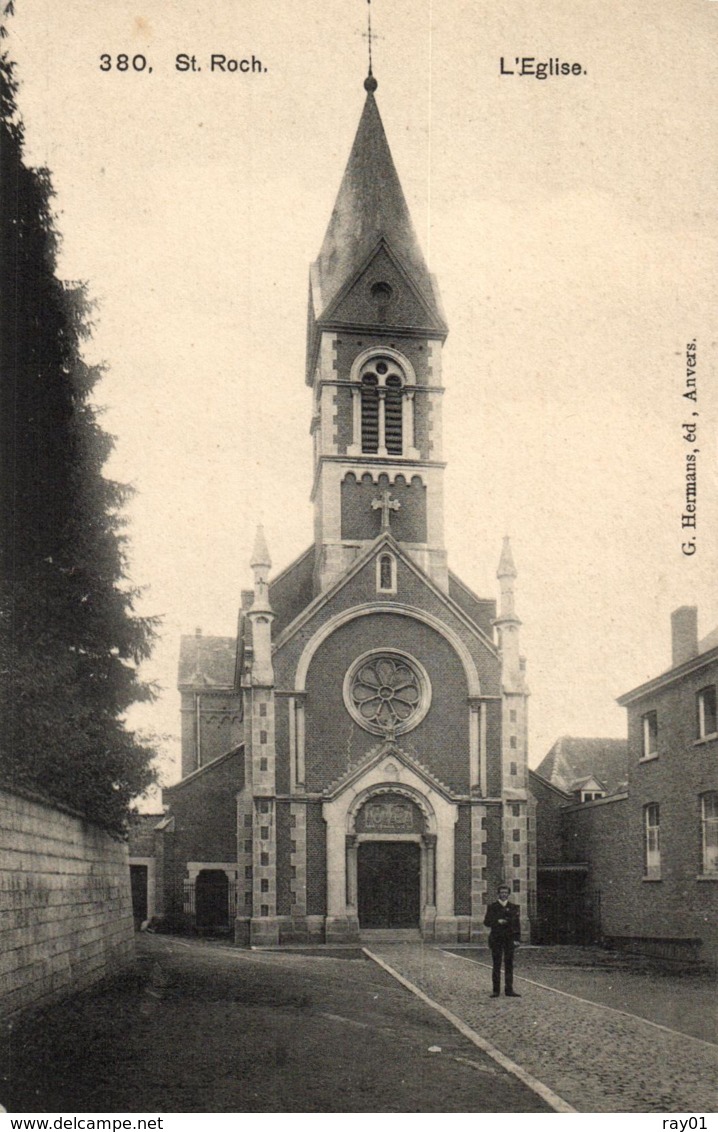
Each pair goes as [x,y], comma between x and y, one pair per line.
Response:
[389,935]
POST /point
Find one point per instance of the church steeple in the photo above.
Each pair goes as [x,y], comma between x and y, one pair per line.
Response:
[370,208]
[374,362]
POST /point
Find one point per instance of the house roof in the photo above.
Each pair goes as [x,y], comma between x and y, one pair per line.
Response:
[210,662]
[572,760]
[292,590]
[707,654]
[207,662]
[370,207]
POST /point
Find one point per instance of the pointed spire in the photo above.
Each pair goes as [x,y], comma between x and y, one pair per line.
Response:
[506,562]
[260,554]
[506,574]
[370,207]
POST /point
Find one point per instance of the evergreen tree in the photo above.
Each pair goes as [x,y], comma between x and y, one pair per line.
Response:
[70,641]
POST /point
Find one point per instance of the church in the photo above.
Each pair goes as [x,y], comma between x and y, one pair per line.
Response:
[355,760]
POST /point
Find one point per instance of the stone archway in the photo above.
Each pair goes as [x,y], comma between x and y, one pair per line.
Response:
[392,777]
[391,859]
[212,900]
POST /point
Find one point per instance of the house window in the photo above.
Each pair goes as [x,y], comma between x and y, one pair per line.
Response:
[264,858]
[706,704]
[651,842]
[709,833]
[264,885]
[263,764]
[650,735]
[386,574]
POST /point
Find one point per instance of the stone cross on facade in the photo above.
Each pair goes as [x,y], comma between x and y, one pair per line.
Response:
[387,505]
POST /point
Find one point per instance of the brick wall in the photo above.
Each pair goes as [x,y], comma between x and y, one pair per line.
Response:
[681,902]
[462,862]
[67,907]
[550,803]
[440,741]
[205,812]
[598,833]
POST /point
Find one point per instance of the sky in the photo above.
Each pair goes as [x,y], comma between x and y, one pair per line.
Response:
[570,222]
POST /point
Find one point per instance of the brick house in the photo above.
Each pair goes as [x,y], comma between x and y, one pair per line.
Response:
[649,852]
[355,758]
[573,773]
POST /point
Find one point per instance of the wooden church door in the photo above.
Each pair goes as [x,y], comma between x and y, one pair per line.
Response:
[388,875]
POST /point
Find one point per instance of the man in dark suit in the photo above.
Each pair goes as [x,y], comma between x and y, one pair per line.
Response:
[502,917]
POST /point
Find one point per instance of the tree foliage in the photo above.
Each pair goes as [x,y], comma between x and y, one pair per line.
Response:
[70,641]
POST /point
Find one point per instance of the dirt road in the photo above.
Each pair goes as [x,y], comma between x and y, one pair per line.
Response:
[199,1027]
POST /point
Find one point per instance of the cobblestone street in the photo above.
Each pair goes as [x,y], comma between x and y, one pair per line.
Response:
[595,1057]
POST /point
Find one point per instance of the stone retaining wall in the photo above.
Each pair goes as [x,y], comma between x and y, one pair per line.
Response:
[65,903]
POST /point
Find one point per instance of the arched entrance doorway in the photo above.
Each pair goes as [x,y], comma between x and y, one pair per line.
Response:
[212,899]
[389,880]
[393,860]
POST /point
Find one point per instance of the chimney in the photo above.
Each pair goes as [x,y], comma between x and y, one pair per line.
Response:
[684,633]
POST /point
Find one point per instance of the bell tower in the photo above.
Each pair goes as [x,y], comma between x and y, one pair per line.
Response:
[375,335]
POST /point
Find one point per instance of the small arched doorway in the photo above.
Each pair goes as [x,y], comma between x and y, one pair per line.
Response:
[391,862]
[212,900]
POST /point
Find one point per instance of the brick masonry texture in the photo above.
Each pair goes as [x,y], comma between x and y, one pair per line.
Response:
[334,741]
[316,861]
[66,904]
[462,862]
[205,814]
[682,902]
[284,894]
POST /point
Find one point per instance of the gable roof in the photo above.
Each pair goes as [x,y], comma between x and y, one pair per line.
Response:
[707,655]
[386,747]
[385,539]
[202,771]
[571,760]
[292,590]
[482,610]
[370,206]
[206,662]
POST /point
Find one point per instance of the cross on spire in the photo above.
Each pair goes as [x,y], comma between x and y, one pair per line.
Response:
[387,505]
[370,83]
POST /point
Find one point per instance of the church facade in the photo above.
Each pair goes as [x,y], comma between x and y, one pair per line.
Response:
[355,759]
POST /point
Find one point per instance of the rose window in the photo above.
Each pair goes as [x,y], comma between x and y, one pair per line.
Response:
[387,693]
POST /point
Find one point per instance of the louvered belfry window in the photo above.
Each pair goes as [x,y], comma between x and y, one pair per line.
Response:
[369,413]
[382,408]
[393,415]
